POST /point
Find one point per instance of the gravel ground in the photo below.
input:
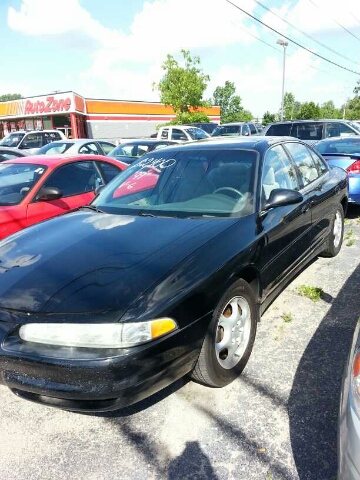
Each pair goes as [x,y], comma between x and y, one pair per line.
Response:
[277,421]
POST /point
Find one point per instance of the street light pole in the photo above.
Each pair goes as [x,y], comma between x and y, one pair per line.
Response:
[284,45]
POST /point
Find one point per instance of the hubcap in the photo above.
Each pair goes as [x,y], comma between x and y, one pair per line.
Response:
[233,332]
[337,230]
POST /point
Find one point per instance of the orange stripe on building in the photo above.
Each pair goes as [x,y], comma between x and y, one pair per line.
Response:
[139,108]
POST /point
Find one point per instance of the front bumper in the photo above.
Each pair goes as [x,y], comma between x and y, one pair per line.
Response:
[348,441]
[101,383]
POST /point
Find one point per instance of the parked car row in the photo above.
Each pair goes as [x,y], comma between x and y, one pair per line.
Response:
[128,266]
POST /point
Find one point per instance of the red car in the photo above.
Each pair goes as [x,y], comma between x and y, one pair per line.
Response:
[36,188]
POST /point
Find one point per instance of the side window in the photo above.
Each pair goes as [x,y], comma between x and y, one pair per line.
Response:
[245,130]
[337,129]
[32,140]
[304,161]
[279,130]
[178,134]
[165,133]
[89,148]
[307,131]
[320,165]
[49,137]
[109,171]
[75,178]
[252,129]
[278,172]
[107,147]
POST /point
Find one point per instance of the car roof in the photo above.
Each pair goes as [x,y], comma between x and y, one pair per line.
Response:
[338,139]
[55,160]
[232,123]
[150,141]
[75,140]
[312,121]
[255,142]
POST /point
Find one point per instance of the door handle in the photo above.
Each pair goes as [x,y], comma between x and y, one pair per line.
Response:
[337,189]
[305,208]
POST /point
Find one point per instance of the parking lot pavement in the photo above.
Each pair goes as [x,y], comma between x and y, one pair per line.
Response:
[277,421]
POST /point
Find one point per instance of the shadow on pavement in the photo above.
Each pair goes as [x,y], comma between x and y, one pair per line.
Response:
[314,399]
[191,464]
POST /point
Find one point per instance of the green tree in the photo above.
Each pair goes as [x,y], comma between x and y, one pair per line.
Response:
[10,96]
[289,106]
[183,86]
[231,109]
[268,118]
[352,109]
[309,110]
[328,110]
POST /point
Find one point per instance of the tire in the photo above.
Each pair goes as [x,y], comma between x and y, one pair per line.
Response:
[231,329]
[336,234]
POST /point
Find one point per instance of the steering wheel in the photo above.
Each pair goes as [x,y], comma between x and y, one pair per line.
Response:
[231,190]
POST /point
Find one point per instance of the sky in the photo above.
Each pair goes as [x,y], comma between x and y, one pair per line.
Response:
[114,49]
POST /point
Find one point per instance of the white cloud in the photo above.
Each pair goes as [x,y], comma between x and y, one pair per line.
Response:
[261,90]
[125,65]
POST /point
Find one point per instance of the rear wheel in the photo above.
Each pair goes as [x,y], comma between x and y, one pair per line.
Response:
[336,234]
[230,337]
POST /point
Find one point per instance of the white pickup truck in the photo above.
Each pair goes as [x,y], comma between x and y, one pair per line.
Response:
[181,133]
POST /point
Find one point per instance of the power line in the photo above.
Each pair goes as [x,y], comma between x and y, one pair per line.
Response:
[274,48]
[292,41]
[337,23]
[304,33]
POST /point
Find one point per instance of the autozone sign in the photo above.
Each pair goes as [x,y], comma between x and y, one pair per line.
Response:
[50,104]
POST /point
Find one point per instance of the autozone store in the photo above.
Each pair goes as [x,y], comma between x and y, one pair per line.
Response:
[79,117]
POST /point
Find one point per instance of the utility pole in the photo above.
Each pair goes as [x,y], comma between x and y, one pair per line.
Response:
[284,45]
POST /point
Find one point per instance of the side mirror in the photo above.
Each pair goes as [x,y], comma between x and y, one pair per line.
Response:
[48,193]
[99,189]
[23,146]
[281,197]
[246,134]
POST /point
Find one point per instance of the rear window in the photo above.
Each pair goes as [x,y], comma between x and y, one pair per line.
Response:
[349,145]
[279,130]
[307,131]
[227,130]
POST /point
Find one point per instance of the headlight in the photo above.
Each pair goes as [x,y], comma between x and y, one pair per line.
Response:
[97,335]
[356,382]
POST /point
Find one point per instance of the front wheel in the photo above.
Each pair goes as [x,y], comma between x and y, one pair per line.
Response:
[230,337]
[336,234]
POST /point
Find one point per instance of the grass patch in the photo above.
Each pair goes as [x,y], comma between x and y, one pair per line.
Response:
[313,293]
[349,238]
[287,317]
[348,221]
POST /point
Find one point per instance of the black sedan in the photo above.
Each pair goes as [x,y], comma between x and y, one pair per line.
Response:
[128,152]
[166,273]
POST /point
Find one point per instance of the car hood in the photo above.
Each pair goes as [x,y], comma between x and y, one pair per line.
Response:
[87,262]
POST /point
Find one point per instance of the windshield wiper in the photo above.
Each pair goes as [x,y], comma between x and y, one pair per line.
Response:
[145,214]
[93,208]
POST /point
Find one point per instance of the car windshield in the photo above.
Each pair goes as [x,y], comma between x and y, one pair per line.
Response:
[197,133]
[17,180]
[12,140]
[54,148]
[355,125]
[184,183]
[347,145]
[227,131]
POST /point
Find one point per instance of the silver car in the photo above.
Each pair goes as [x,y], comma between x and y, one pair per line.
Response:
[87,146]
[349,417]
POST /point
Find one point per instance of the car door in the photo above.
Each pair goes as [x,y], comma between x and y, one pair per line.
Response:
[76,181]
[286,228]
[314,189]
